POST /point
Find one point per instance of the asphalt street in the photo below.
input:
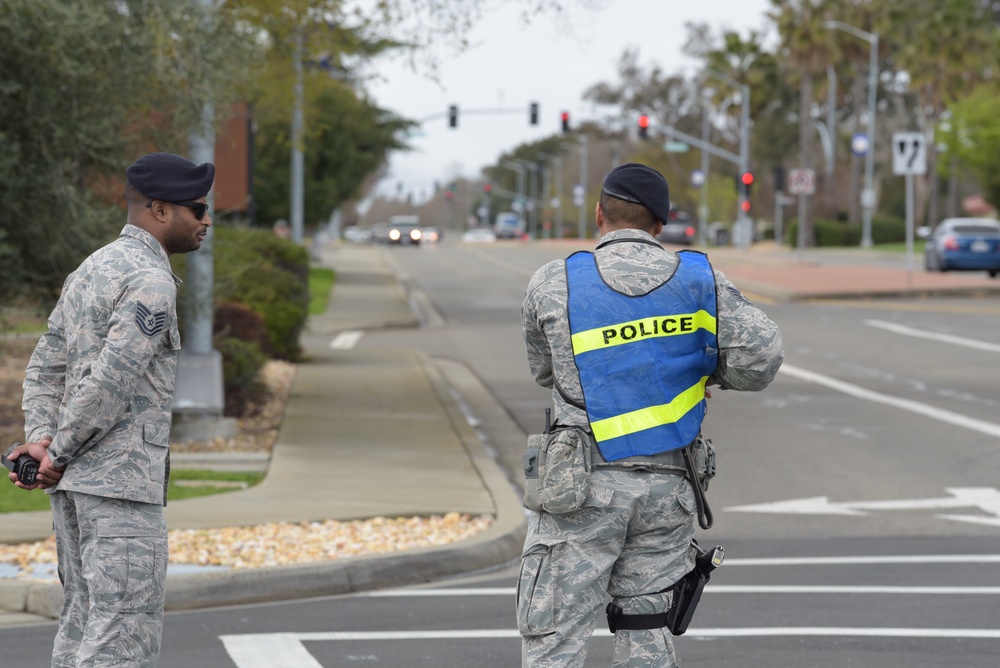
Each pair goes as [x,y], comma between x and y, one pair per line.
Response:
[856,497]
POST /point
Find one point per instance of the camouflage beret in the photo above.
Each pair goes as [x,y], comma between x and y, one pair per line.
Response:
[640,184]
[170,178]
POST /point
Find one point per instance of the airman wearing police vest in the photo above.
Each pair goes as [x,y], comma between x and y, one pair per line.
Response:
[98,395]
[629,338]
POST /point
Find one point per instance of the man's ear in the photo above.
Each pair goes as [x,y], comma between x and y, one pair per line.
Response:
[657,228]
[161,211]
[599,216]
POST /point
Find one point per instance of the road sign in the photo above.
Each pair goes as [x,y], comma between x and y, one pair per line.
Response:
[676,147]
[909,153]
[802,182]
[860,144]
[578,193]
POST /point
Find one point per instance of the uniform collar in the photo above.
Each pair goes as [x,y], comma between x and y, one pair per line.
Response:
[625,234]
[144,237]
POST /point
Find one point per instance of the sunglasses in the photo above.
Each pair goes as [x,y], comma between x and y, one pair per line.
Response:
[199,208]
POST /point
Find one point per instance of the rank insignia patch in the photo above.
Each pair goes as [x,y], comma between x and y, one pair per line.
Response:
[739,295]
[150,324]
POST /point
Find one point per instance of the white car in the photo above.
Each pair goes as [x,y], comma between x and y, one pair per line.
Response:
[357,235]
[479,235]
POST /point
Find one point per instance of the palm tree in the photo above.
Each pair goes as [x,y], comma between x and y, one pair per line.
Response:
[805,42]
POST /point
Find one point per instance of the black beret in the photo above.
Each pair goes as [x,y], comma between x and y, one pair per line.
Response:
[640,184]
[170,178]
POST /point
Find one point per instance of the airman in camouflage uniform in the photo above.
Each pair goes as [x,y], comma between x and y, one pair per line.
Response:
[98,395]
[632,538]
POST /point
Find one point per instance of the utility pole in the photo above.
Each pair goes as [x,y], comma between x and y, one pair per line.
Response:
[297,204]
[199,389]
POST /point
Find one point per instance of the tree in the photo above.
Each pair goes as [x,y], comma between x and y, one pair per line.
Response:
[973,138]
[85,87]
[805,43]
[950,48]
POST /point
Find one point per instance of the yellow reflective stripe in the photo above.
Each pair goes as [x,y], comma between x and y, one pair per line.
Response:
[637,330]
[647,418]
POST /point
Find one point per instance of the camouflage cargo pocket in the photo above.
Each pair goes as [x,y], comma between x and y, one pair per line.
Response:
[537,588]
[131,568]
[557,471]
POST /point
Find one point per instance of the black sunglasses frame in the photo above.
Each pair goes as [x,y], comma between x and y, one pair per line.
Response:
[198,208]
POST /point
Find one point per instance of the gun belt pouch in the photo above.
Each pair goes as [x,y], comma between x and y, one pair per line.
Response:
[617,620]
[557,470]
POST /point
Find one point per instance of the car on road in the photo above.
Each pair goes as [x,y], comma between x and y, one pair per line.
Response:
[679,230]
[479,235]
[405,230]
[964,244]
[358,235]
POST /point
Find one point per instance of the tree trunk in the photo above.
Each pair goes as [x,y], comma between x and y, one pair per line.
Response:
[952,190]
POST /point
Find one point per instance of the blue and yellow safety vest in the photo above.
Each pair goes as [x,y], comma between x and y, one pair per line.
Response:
[643,360]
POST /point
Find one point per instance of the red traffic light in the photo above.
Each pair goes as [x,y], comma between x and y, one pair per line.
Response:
[644,122]
[746,178]
[745,205]
[565,121]
[487,187]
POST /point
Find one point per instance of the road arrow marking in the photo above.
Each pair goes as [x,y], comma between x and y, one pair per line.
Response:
[986,499]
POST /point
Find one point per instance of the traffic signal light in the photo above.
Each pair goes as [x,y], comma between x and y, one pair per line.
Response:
[565,121]
[746,178]
[453,116]
[533,113]
[745,205]
[644,127]
[487,187]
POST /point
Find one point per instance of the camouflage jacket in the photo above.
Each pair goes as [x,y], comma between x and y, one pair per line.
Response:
[100,382]
[750,347]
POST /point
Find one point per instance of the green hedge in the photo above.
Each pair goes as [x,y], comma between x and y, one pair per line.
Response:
[266,273]
[261,296]
[836,233]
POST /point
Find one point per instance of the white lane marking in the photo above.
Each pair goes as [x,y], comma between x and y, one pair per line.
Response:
[869,560]
[269,650]
[926,410]
[346,340]
[946,338]
[285,650]
[731,589]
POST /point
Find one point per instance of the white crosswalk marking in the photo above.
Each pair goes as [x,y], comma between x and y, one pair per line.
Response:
[346,340]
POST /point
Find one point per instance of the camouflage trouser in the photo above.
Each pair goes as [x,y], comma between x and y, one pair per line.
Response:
[632,540]
[113,566]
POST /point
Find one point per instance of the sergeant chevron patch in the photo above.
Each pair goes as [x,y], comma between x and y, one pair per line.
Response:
[150,324]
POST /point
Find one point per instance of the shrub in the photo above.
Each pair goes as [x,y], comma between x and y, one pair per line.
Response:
[241,362]
[836,233]
[267,274]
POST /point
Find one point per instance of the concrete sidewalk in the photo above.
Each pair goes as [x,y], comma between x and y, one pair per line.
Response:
[365,434]
[370,433]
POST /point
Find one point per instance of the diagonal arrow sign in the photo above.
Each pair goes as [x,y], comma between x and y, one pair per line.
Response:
[915,154]
[986,499]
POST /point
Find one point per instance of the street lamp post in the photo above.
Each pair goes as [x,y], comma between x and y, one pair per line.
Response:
[868,197]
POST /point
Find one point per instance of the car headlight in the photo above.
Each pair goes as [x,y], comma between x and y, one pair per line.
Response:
[415,235]
[394,235]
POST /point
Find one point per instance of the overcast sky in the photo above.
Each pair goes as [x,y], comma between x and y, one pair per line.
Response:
[552,61]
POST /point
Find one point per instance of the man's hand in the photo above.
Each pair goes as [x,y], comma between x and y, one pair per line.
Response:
[48,475]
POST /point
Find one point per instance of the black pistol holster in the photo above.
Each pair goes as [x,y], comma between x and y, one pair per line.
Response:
[686,595]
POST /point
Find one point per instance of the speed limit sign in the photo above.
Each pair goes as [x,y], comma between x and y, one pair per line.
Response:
[802,182]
